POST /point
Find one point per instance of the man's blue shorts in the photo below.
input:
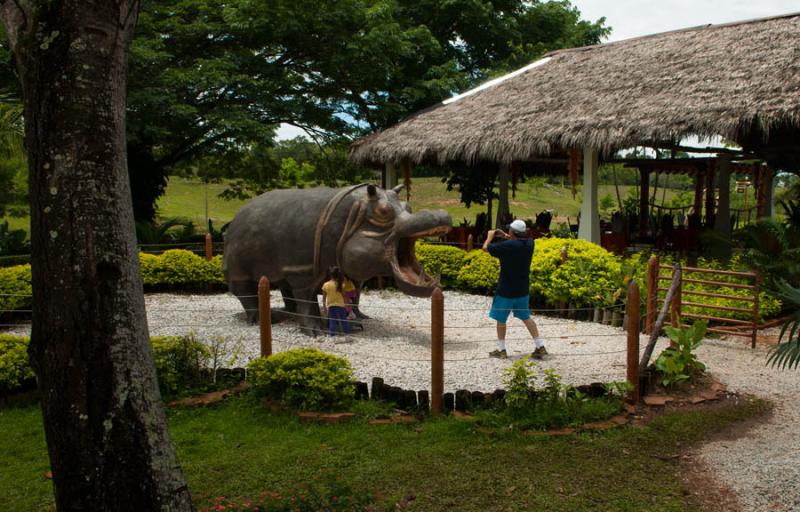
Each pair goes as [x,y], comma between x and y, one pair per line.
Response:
[502,306]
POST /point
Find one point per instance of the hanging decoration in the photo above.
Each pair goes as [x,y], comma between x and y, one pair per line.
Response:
[574,161]
[407,178]
[514,170]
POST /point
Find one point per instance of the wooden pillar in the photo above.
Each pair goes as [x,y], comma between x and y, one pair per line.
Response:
[644,206]
[437,351]
[389,176]
[722,221]
[406,165]
[756,313]
[503,177]
[710,196]
[632,316]
[652,293]
[264,321]
[209,247]
[699,180]
[589,227]
[765,184]
[470,242]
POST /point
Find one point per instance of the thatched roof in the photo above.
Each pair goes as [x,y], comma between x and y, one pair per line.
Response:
[730,80]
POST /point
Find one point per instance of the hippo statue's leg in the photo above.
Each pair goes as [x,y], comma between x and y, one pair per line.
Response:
[247,293]
[289,309]
[356,309]
[309,315]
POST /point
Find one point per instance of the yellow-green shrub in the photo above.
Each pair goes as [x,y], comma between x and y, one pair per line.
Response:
[479,272]
[304,378]
[179,362]
[588,275]
[442,260]
[15,288]
[14,366]
[180,269]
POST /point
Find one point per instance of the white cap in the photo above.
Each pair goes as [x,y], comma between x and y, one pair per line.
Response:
[519,226]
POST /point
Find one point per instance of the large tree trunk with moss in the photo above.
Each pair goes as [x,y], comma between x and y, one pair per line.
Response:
[106,430]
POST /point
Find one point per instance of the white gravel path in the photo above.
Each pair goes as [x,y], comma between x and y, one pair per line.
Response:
[762,467]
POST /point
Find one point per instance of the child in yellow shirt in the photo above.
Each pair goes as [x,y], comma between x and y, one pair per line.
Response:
[333,302]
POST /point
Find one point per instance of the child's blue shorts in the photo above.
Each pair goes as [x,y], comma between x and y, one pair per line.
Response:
[502,306]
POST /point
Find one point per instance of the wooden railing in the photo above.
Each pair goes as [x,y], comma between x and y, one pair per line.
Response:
[746,305]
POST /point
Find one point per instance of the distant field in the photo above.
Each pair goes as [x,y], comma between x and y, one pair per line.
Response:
[187,198]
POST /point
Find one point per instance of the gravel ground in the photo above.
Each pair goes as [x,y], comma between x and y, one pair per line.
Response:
[762,467]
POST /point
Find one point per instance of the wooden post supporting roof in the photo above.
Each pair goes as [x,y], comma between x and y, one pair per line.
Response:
[503,176]
[722,221]
[699,180]
[710,202]
[589,228]
[389,176]
[644,194]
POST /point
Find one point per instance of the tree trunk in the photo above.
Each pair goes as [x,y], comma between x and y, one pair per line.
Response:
[105,427]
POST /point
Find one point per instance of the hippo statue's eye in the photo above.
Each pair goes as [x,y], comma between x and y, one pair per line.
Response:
[383,210]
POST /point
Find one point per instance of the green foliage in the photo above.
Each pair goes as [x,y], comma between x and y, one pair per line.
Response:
[787,353]
[442,260]
[13,241]
[305,378]
[680,364]
[520,384]
[774,246]
[163,232]
[479,272]
[15,288]
[589,273]
[179,362]
[14,365]
[551,404]
[179,269]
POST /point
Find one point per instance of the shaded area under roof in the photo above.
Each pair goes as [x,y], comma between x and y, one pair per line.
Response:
[740,81]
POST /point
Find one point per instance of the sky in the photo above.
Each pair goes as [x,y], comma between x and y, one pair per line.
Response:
[633,18]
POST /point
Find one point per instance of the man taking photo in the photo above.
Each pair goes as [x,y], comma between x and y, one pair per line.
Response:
[511,296]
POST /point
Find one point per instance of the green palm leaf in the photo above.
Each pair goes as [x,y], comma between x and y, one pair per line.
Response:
[787,353]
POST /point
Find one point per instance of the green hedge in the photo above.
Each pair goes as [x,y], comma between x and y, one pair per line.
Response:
[591,275]
[14,365]
[179,361]
[180,269]
[15,288]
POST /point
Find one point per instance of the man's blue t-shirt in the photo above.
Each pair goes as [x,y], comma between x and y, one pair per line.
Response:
[515,266]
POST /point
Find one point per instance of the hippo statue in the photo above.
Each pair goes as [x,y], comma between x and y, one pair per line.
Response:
[293,236]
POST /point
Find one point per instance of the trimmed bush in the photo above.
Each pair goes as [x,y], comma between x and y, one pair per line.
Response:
[443,260]
[589,273]
[479,272]
[14,365]
[180,269]
[179,362]
[15,288]
[305,378]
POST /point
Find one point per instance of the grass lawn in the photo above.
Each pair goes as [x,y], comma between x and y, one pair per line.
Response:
[239,449]
[187,198]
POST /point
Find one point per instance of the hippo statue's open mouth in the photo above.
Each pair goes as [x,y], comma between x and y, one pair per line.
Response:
[409,275]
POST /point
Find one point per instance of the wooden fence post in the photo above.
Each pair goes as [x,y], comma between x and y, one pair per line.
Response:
[470,242]
[563,305]
[756,319]
[652,293]
[209,247]
[264,321]
[676,305]
[380,282]
[437,351]
[632,314]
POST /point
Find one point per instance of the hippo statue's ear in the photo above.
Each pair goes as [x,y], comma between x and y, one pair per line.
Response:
[398,188]
[372,192]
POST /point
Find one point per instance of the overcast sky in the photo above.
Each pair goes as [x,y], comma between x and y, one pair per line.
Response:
[632,18]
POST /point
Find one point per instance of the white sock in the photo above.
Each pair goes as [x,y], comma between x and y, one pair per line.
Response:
[501,345]
[539,342]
